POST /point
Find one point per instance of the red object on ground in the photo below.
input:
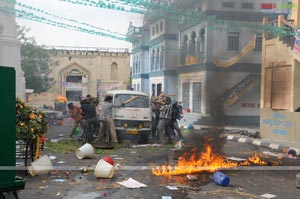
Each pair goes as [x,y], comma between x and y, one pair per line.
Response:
[188,110]
[108,160]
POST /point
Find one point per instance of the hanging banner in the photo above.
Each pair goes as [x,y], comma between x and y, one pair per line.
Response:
[191,60]
[296,48]
[71,85]
[235,59]
[109,87]
[238,93]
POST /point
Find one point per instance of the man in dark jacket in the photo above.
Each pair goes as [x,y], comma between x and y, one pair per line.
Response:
[176,115]
[89,114]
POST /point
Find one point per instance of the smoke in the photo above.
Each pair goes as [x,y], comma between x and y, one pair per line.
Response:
[214,101]
[200,141]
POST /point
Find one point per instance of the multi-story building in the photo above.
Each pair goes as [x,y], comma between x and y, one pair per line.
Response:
[213,63]
[80,71]
[280,93]
[154,56]
[10,54]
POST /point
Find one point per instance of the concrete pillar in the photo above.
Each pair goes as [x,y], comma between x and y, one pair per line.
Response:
[296,12]
[265,22]
[263,63]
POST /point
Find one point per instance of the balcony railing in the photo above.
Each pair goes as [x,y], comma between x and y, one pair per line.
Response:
[134,34]
[286,30]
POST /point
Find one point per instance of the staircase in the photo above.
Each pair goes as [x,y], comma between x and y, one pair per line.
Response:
[288,41]
[289,26]
[231,96]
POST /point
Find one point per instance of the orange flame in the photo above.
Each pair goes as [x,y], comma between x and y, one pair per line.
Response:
[60,98]
[253,160]
[206,161]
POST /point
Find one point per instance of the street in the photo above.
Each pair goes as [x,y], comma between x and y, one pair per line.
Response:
[136,163]
[222,72]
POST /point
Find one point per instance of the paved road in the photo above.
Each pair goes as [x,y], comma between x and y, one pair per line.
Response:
[249,182]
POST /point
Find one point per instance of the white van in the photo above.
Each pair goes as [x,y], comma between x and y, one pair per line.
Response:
[132,116]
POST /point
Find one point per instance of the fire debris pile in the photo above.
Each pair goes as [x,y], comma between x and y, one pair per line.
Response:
[204,159]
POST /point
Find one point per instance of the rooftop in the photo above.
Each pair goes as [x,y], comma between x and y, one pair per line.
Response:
[89,49]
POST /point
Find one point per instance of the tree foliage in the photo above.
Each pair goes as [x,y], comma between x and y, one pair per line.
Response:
[35,62]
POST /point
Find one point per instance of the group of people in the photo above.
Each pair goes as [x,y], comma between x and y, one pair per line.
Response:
[85,116]
[164,124]
[166,113]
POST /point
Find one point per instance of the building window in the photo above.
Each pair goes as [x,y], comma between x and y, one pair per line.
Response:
[197,97]
[161,26]
[153,89]
[202,38]
[114,71]
[258,42]
[152,60]
[247,5]
[157,29]
[186,95]
[161,59]
[278,88]
[157,59]
[74,79]
[74,76]
[227,4]
[139,64]
[192,43]
[158,89]
[136,65]
[184,49]
[233,41]
[133,65]
[153,30]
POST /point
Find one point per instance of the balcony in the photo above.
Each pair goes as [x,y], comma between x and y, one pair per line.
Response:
[134,34]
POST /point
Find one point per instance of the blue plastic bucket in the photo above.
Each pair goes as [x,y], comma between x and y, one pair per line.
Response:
[221,179]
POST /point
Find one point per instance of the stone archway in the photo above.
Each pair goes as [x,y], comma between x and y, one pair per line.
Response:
[74,81]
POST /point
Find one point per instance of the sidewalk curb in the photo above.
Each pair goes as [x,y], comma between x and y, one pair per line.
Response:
[258,142]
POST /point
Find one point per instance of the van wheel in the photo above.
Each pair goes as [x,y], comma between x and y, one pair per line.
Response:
[144,137]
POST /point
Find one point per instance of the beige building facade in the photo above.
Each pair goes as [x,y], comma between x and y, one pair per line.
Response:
[280,83]
[82,71]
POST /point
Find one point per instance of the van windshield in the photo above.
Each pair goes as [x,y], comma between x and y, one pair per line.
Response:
[129,100]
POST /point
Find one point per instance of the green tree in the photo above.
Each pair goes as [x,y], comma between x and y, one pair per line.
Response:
[35,62]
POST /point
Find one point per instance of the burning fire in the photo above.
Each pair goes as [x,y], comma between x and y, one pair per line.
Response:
[253,160]
[206,161]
